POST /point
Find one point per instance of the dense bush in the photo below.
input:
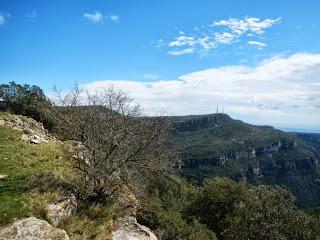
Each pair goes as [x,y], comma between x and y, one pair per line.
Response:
[217,201]
[229,210]
[165,210]
[26,100]
[271,214]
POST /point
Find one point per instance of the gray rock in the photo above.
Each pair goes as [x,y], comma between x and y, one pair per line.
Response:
[129,229]
[33,131]
[32,229]
[64,207]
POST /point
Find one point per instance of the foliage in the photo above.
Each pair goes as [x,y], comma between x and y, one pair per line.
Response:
[37,176]
[217,146]
[20,161]
[26,100]
[175,209]
[165,210]
[271,215]
[218,199]
[112,140]
[93,221]
[311,138]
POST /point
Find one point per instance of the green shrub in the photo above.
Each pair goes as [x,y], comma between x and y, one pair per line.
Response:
[26,100]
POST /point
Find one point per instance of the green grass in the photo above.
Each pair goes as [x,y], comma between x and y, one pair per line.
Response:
[20,160]
[38,175]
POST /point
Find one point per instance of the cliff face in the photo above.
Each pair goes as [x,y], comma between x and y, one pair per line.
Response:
[216,145]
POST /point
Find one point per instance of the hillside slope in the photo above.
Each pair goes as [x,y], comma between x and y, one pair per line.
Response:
[216,145]
[310,138]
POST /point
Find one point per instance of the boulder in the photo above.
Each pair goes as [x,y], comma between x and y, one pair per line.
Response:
[32,229]
[64,207]
[129,229]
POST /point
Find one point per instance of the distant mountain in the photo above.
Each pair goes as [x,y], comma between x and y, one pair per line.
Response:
[300,130]
[216,145]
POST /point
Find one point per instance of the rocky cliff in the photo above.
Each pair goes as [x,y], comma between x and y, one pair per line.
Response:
[216,145]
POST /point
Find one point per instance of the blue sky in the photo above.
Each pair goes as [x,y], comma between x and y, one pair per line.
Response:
[257,59]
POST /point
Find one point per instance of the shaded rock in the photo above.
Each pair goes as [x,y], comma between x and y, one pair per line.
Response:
[32,229]
[129,229]
[64,207]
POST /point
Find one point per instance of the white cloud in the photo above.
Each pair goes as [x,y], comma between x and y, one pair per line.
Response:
[248,24]
[224,38]
[94,17]
[182,41]
[32,14]
[4,16]
[181,52]
[256,43]
[282,90]
[206,43]
[97,16]
[209,37]
[113,18]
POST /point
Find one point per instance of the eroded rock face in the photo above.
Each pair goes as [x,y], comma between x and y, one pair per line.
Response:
[32,229]
[64,207]
[128,229]
[33,131]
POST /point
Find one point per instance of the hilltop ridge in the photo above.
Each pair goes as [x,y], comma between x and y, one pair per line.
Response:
[216,145]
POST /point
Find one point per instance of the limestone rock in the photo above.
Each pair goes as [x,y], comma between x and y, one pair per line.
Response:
[32,229]
[129,229]
[3,176]
[33,131]
[64,207]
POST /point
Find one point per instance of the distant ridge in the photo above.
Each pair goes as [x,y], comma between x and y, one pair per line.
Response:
[300,130]
[214,145]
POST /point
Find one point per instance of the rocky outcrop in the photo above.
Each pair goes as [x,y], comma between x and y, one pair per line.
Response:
[33,131]
[129,229]
[64,207]
[268,150]
[32,229]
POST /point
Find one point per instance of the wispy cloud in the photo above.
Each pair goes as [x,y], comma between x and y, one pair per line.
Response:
[94,17]
[97,17]
[222,32]
[248,24]
[282,89]
[4,16]
[32,14]
[113,18]
[182,41]
[223,38]
[257,43]
[181,52]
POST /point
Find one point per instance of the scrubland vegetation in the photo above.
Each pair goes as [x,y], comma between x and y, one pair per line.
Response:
[117,144]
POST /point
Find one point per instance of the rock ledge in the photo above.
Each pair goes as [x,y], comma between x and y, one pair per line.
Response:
[32,229]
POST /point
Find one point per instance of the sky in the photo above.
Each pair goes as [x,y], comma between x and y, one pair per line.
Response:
[258,61]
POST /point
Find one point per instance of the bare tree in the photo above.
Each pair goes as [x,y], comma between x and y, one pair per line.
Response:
[114,140]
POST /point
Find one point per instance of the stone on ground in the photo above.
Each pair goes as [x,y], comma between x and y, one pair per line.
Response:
[32,229]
